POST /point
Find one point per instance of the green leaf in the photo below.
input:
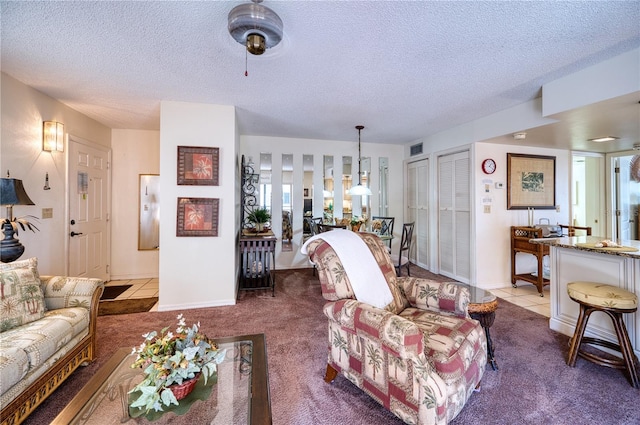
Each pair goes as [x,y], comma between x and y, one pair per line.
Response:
[168,398]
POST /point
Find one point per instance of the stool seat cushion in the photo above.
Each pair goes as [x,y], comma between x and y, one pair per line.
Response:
[602,295]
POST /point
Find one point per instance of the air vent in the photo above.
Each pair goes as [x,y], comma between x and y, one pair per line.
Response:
[416,149]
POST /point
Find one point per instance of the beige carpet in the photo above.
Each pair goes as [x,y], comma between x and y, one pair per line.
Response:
[532,386]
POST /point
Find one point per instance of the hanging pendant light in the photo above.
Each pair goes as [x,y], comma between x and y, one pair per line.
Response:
[255,26]
[359,189]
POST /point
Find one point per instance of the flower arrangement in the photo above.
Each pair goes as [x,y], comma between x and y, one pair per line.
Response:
[170,359]
[358,220]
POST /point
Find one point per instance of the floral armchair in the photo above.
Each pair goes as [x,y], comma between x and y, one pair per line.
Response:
[421,356]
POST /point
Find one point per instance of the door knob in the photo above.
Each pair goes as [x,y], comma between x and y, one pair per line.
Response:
[74,234]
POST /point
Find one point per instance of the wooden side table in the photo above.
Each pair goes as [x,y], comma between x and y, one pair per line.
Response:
[520,237]
[482,307]
[257,260]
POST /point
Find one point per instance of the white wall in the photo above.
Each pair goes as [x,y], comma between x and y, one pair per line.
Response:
[491,261]
[134,152]
[492,234]
[491,256]
[254,145]
[611,78]
[23,111]
[198,271]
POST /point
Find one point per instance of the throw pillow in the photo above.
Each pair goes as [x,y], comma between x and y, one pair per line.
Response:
[22,264]
[21,298]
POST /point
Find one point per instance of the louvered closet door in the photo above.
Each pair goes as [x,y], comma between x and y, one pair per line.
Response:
[454,216]
[418,210]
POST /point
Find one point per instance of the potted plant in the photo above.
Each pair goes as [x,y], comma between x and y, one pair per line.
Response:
[259,217]
[172,364]
[356,222]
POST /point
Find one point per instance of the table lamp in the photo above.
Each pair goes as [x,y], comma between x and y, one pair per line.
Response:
[12,193]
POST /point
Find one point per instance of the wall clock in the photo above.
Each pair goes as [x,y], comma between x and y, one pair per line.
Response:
[488,166]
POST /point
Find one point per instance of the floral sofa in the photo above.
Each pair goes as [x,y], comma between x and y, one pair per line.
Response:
[421,356]
[47,330]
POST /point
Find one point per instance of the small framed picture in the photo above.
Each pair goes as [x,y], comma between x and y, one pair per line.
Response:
[197,217]
[198,166]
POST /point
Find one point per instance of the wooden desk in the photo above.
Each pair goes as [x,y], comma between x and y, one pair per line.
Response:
[520,237]
[257,260]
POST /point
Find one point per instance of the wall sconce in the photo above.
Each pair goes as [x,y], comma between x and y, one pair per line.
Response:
[52,136]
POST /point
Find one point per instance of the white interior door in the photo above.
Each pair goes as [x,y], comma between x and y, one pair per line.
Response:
[588,192]
[418,209]
[625,198]
[454,216]
[89,210]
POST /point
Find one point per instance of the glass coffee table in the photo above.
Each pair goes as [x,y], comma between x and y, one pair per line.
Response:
[240,395]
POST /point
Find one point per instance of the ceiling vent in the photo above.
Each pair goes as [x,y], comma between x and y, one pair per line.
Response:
[415,149]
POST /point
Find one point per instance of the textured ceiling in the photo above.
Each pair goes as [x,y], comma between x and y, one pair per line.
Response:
[404,69]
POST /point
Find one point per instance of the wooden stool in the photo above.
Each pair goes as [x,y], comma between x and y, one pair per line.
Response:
[613,301]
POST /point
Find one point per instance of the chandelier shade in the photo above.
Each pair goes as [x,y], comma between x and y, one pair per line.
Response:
[255,26]
[359,189]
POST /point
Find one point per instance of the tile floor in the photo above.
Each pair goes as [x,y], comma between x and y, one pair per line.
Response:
[142,288]
[525,295]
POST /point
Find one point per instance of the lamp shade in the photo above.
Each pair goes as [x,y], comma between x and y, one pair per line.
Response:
[12,193]
[360,190]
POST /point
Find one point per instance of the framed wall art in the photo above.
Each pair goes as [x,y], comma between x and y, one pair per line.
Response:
[197,217]
[198,166]
[531,181]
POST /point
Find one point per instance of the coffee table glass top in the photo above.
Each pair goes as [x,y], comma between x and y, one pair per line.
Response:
[479,296]
[240,395]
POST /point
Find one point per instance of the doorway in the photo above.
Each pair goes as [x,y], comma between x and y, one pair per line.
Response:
[625,195]
[588,191]
[418,209]
[89,226]
[454,216]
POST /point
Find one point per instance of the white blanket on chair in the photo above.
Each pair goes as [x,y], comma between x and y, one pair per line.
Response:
[367,280]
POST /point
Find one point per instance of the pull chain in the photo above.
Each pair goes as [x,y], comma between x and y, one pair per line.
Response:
[246,72]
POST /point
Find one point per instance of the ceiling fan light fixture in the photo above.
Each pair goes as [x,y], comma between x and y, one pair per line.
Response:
[255,44]
[255,26]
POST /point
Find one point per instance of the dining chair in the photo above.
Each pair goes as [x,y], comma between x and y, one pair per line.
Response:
[571,230]
[402,259]
[327,227]
[314,228]
[321,228]
[386,227]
